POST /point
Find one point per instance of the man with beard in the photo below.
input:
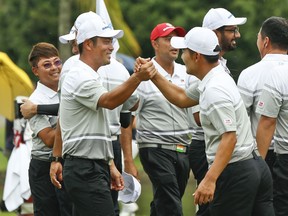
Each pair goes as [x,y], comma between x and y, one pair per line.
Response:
[225,26]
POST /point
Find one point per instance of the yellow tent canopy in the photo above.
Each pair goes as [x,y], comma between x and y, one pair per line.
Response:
[13,82]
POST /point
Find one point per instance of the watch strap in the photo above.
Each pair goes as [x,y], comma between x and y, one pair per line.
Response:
[56,159]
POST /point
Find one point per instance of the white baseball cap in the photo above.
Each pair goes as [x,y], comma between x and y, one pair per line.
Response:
[68,37]
[131,191]
[79,20]
[96,27]
[218,17]
[84,17]
[198,39]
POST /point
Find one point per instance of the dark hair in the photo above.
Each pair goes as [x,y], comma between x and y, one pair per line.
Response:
[221,29]
[276,29]
[80,46]
[41,50]
[209,58]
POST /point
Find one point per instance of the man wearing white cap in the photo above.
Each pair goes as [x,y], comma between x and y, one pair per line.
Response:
[87,146]
[112,75]
[225,26]
[238,181]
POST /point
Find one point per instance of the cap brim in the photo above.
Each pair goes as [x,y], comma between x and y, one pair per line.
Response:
[178,42]
[237,21]
[180,31]
[131,191]
[66,38]
[112,34]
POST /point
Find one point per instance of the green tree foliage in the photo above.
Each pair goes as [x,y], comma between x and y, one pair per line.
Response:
[142,16]
[24,23]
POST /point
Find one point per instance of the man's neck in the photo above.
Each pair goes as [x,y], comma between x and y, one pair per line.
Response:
[90,63]
[206,69]
[167,65]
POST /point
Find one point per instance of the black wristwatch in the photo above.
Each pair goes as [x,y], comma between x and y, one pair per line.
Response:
[56,159]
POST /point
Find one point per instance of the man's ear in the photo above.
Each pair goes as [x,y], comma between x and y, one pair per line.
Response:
[35,71]
[88,44]
[266,42]
[218,33]
[154,44]
[195,56]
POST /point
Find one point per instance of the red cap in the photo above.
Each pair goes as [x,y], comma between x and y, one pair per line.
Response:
[164,29]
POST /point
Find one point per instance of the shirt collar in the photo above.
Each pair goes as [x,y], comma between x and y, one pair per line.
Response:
[209,76]
[163,72]
[273,57]
[48,91]
[88,68]
[223,62]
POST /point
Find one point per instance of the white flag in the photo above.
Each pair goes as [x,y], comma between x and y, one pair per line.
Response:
[101,10]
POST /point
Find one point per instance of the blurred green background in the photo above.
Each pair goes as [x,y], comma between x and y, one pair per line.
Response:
[25,23]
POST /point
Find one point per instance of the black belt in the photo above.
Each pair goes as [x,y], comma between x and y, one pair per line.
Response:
[70,157]
[254,154]
[281,155]
[39,158]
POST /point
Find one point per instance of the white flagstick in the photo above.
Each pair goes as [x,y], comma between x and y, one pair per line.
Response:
[101,10]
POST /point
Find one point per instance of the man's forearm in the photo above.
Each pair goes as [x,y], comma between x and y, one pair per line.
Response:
[223,155]
[126,145]
[57,148]
[264,134]
[174,94]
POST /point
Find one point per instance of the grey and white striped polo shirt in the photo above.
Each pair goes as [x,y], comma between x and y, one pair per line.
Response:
[273,103]
[113,75]
[158,120]
[251,82]
[84,126]
[222,110]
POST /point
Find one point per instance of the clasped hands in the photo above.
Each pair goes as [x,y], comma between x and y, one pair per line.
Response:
[144,68]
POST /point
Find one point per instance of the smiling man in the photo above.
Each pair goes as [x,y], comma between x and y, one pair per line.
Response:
[163,134]
[225,25]
[238,181]
[87,142]
[46,65]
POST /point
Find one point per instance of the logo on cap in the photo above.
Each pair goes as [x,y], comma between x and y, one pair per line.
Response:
[169,26]
[164,29]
